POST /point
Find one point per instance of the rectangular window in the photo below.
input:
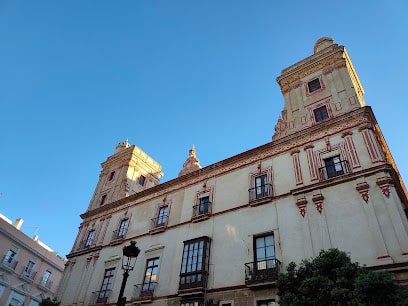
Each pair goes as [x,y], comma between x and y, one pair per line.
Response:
[270,302]
[150,279]
[162,217]
[46,280]
[195,263]
[264,252]
[111,175]
[142,180]
[10,257]
[320,113]
[28,270]
[261,186]
[314,85]
[90,238]
[106,286]
[123,228]
[333,166]
[203,206]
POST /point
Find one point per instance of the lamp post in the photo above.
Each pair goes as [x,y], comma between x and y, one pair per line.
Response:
[130,253]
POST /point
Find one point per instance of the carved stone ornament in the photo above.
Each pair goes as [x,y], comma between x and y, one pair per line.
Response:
[301,204]
[318,200]
[362,188]
[384,183]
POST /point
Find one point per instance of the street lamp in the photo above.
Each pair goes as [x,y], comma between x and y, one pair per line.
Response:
[130,253]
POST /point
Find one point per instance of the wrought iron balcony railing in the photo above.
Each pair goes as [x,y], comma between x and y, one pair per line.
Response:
[118,234]
[260,192]
[29,274]
[159,222]
[100,296]
[145,291]
[45,283]
[85,244]
[333,170]
[202,209]
[262,270]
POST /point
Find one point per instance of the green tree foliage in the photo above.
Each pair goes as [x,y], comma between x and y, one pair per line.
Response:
[49,302]
[332,279]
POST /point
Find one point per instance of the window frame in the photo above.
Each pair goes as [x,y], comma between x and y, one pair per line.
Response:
[123,227]
[266,262]
[151,270]
[195,263]
[204,202]
[29,268]
[312,85]
[320,115]
[162,215]
[106,285]
[89,238]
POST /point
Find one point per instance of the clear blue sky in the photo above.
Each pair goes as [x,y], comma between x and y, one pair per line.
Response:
[77,77]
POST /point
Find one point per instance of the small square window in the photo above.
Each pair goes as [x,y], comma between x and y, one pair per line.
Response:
[321,113]
[142,180]
[314,85]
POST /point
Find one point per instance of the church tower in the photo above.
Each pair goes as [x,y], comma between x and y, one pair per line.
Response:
[320,87]
[128,171]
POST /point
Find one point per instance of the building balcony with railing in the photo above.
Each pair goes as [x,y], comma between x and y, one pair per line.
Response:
[202,211]
[118,235]
[263,272]
[100,297]
[28,274]
[9,262]
[144,292]
[260,194]
[45,284]
[85,244]
[158,224]
[334,169]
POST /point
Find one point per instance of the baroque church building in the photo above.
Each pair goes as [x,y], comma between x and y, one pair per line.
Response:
[224,232]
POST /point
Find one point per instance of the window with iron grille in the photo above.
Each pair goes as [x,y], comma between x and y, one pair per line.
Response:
[261,186]
[321,113]
[314,85]
[150,279]
[106,286]
[195,263]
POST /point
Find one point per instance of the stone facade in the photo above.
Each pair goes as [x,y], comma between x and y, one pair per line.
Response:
[225,231]
[29,270]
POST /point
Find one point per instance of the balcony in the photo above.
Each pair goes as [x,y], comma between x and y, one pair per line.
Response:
[201,211]
[144,292]
[260,194]
[261,273]
[336,169]
[158,224]
[28,275]
[100,297]
[45,284]
[118,236]
[85,244]
[9,262]
[193,283]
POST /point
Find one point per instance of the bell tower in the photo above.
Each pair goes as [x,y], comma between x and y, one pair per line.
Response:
[128,171]
[320,87]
